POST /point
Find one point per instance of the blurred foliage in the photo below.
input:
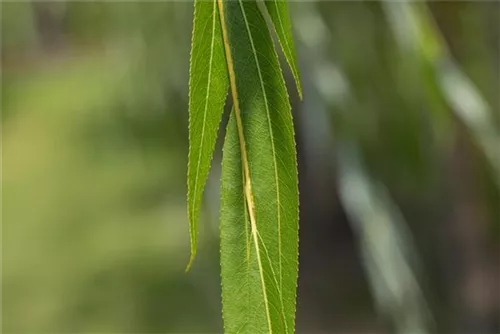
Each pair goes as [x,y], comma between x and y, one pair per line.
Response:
[94,152]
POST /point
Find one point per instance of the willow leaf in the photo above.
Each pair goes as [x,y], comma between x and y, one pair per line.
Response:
[453,85]
[259,215]
[208,86]
[390,256]
[280,17]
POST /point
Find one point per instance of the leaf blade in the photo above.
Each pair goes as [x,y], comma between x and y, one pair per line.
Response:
[234,209]
[267,182]
[280,18]
[208,85]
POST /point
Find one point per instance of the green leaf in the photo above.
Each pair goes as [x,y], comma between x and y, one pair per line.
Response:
[389,254]
[259,214]
[414,29]
[280,17]
[208,86]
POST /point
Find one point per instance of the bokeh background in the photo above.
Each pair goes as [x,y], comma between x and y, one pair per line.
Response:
[399,167]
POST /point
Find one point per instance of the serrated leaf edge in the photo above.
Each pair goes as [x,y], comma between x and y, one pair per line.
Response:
[244,158]
[193,223]
[289,56]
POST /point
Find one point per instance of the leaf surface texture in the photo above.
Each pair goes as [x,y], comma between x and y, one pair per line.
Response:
[259,205]
[208,86]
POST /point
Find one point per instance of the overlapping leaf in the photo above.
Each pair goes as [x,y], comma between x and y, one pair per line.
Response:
[280,18]
[208,86]
[259,214]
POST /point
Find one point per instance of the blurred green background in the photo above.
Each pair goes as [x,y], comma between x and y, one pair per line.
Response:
[398,144]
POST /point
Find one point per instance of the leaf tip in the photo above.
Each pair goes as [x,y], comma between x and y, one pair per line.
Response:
[296,77]
[191,260]
[193,241]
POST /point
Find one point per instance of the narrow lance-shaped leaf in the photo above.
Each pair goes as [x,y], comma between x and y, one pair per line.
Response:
[208,86]
[390,257]
[280,18]
[455,87]
[259,215]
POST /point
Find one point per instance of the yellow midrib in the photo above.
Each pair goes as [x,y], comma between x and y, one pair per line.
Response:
[244,157]
[275,163]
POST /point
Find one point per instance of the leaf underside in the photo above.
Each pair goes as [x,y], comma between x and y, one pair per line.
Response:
[208,86]
[259,205]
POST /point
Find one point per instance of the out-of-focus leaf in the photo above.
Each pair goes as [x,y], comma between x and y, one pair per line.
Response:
[390,256]
[280,17]
[259,215]
[208,85]
[414,30]
[473,111]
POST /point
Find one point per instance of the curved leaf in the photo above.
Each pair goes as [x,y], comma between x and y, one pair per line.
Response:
[208,85]
[280,17]
[259,215]
[414,30]
[389,254]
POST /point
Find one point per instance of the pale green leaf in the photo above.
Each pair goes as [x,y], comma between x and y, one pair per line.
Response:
[259,214]
[280,18]
[208,86]
[415,30]
[390,256]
